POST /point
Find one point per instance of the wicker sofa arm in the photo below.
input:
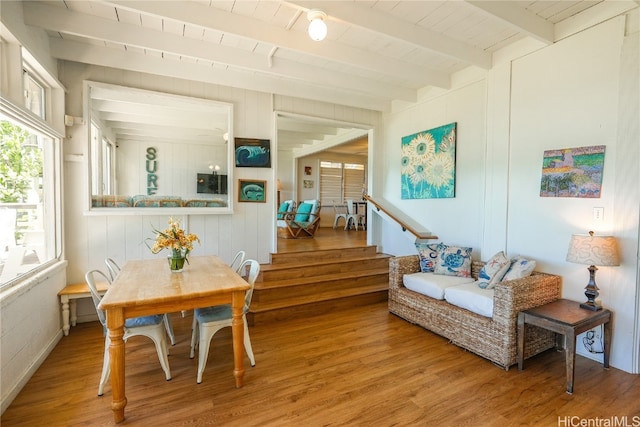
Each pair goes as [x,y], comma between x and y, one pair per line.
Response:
[399,266]
[513,296]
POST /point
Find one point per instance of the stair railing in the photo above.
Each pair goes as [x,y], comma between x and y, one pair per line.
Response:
[406,223]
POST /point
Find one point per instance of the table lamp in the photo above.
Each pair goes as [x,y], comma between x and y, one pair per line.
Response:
[591,250]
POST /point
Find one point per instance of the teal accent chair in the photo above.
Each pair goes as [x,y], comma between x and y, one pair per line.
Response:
[304,222]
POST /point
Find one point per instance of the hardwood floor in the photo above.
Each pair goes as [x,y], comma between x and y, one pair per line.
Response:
[325,238]
[361,367]
[355,367]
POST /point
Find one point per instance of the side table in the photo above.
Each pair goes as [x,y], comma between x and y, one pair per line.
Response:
[567,318]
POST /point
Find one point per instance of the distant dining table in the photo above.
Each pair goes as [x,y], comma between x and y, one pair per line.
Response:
[147,287]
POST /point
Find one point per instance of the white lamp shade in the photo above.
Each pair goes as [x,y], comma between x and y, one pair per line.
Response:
[593,250]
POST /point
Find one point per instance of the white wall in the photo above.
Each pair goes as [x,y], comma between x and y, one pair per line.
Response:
[30,320]
[564,95]
[177,167]
[456,220]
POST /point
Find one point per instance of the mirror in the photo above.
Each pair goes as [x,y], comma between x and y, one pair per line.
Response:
[152,150]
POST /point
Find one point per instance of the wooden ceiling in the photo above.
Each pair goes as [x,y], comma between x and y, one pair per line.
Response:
[376,52]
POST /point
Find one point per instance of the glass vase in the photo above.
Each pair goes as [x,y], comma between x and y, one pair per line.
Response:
[176,260]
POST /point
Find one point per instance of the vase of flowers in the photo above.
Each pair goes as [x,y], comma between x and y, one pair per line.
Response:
[177,242]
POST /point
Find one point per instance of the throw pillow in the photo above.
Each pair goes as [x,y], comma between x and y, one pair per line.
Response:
[428,253]
[520,267]
[453,261]
[284,207]
[302,214]
[493,271]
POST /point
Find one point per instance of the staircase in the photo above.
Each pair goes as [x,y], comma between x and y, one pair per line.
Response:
[303,284]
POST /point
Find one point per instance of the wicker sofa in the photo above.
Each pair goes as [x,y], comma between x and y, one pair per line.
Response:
[493,338]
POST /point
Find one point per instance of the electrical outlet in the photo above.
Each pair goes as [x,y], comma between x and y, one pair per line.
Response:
[598,214]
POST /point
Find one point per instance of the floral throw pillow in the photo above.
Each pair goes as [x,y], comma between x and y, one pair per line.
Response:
[493,271]
[428,253]
[520,267]
[453,261]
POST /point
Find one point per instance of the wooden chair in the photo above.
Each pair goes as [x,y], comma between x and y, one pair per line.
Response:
[303,222]
[207,321]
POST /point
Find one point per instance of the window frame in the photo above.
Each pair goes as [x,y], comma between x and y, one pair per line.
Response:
[52,190]
[347,190]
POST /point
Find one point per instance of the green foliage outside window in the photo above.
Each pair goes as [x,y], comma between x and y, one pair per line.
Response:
[20,162]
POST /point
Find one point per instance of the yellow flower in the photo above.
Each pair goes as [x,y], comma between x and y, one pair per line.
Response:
[173,238]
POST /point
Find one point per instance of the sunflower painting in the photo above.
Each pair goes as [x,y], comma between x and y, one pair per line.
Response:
[428,166]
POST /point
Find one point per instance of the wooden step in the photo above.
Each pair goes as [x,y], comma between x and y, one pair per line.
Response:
[323,254]
[324,287]
[308,283]
[310,267]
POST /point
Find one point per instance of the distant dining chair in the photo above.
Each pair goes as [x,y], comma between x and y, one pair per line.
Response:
[238,260]
[207,321]
[114,269]
[148,326]
[353,218]
[340,212]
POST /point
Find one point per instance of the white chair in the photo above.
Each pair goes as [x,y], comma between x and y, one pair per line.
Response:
[148,326]
[114,269]
[340,212]
[238,260]
[207,321]
[353,218]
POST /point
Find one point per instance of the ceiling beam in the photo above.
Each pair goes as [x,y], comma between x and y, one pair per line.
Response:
[519,18]
[377,22]
[330,142]
[106,57]
[67,22]
[256,30]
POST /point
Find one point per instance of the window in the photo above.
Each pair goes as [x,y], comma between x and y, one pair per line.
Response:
[30,152]
[102,176]
[34,94]
[341,181]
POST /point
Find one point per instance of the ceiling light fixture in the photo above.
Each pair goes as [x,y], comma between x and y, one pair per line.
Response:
[317,27]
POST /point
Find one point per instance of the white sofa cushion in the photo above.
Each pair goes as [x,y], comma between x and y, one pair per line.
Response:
[432,285]
[471,297]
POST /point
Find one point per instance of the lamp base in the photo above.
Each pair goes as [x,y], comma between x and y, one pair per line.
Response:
[590,306]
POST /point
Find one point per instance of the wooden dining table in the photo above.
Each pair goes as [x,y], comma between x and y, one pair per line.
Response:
[147,287]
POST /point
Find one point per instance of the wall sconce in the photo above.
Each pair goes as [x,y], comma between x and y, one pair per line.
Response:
[591,250]
[317,27]
[214,169]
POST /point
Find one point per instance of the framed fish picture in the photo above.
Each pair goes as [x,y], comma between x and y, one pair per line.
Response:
[252,153]
[428,164]
[252,191]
